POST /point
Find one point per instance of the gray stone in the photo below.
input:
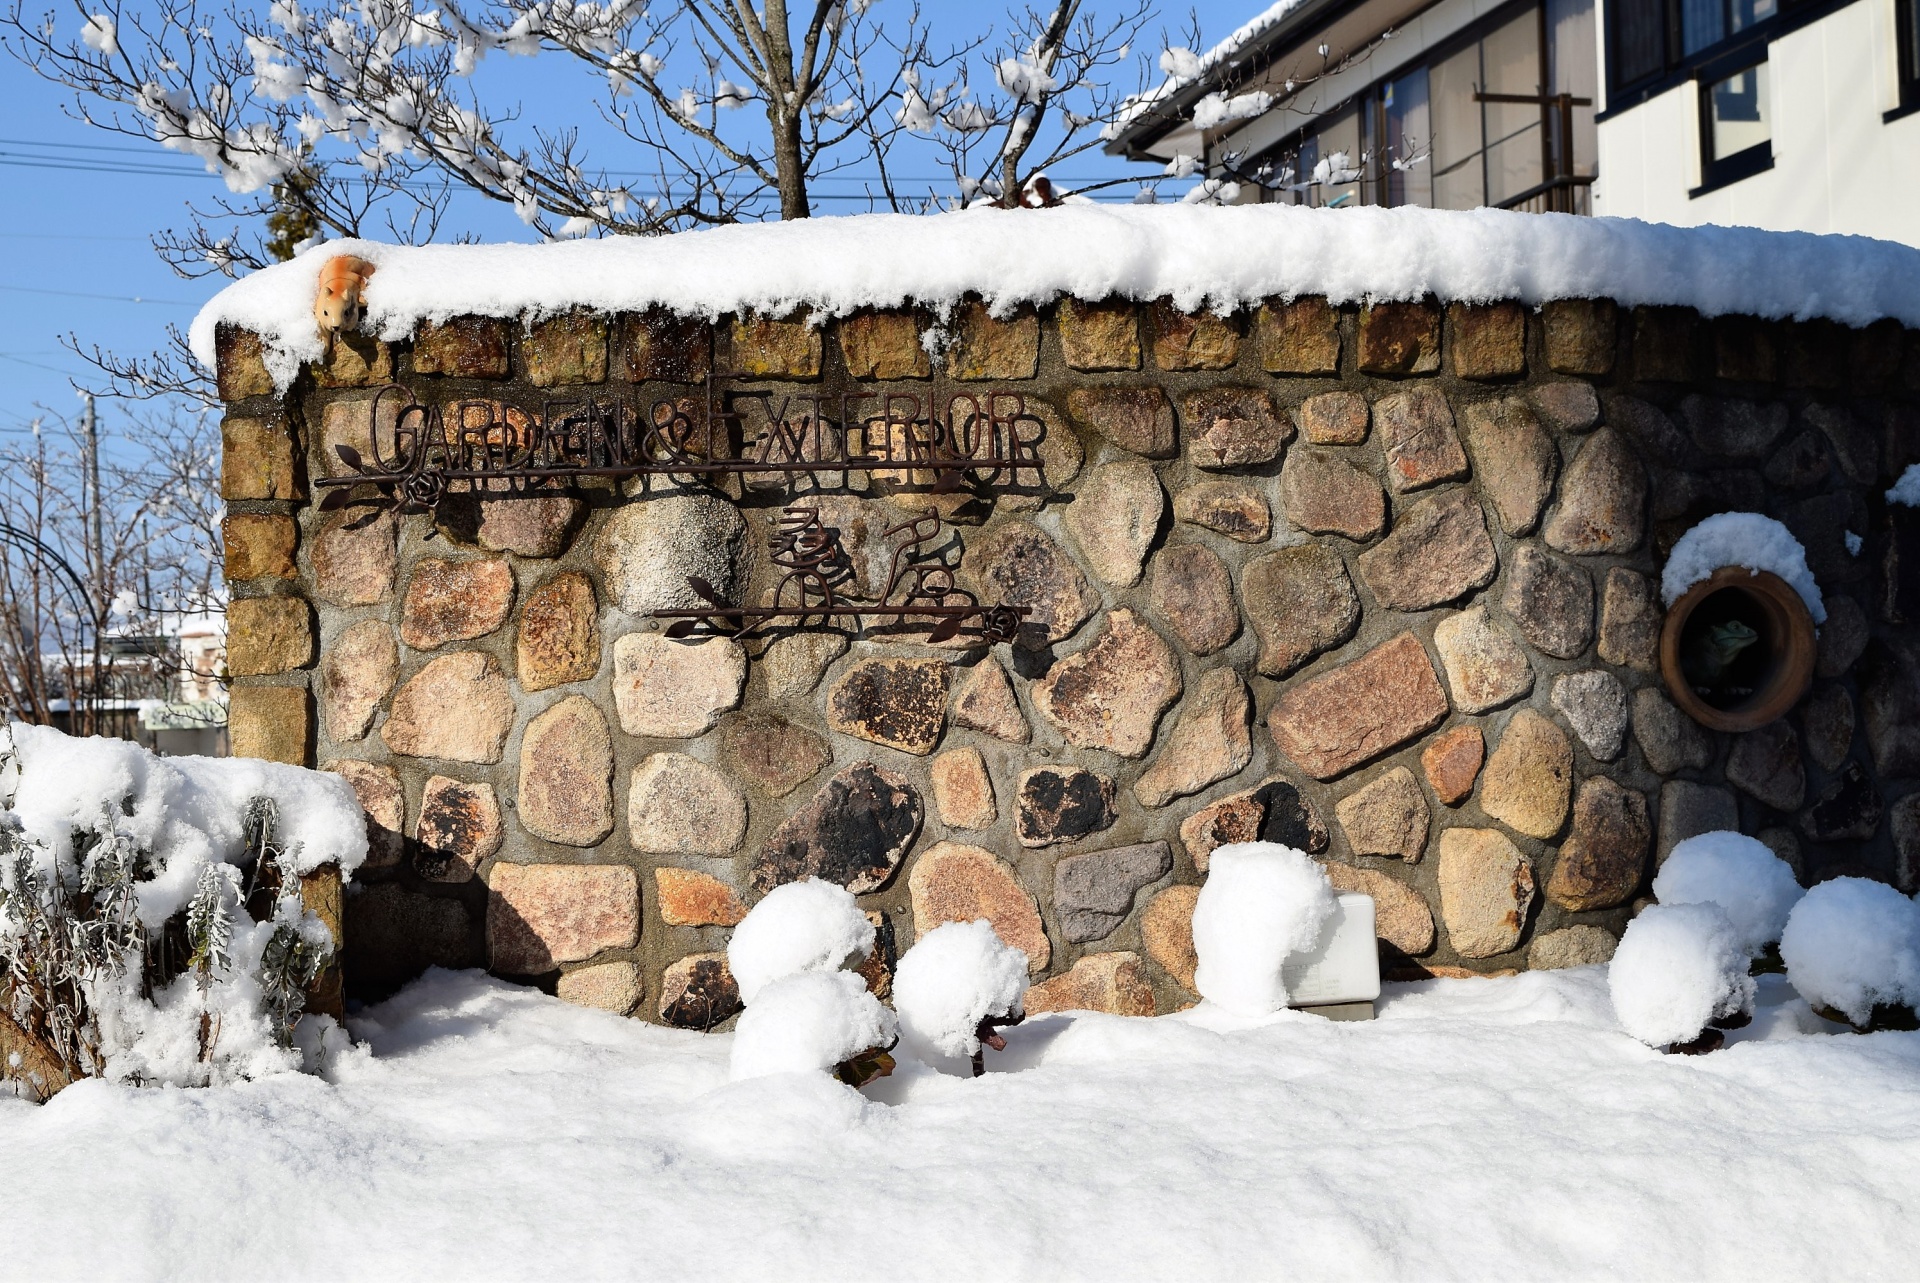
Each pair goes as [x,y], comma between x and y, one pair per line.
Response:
[1854,444]
[1630,621]
[854,832]
[1439,551]
[901,703]
[1300,603]
[1603,500]
[1190,588]
[794,664]
[1649,428]
[1848,809]
[1904,822]
[675,689]
[1326,495]
[1688,810]
[1566,407]
[1578,946]
[1486,889]
[678,805]
[1890,709]
[1093,892]
[1210,741]
[1605,855]
[1513,458]
[1529,776]
[1114,515]
[1765,765]
[1485,667]
[355,675]
[1015,563]
[1417,432]
[1822,524]
[1062,804]
[1670,740]
[1733,428]
[1551,601]
[1388,816]
[1595,705]
[566,774]
[1234,427]
[1227,507]
[1843,638]
[985,702]
[649,549]
[1800,463]
[1828,723]
[1111,695]
[1784,843]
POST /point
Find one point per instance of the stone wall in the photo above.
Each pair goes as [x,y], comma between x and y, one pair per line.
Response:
[1381,583]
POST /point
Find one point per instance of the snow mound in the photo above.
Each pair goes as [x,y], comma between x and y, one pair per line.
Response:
[1678,968]
[808,1022]
[1740,539]
[957,975]
[1852,943]
[1906,491]
[1754,887]
[1221,258]
[187,812]
[803,926]
[1262,902]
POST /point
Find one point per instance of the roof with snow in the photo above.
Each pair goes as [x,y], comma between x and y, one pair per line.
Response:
[1218,257]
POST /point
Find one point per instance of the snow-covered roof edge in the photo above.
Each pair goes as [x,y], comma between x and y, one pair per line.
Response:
[1215,257]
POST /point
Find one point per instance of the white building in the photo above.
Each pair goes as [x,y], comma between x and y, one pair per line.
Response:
[1787,116]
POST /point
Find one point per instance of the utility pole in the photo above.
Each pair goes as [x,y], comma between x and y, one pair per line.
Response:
[96,551]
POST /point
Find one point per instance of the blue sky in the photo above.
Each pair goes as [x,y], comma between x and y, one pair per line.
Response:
[77,205]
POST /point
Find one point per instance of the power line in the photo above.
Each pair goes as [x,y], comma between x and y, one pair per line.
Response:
[109,298]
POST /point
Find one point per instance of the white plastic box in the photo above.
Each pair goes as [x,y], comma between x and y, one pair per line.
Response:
[1345,967]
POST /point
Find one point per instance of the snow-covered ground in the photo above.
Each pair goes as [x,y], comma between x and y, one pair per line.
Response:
[1478,1129]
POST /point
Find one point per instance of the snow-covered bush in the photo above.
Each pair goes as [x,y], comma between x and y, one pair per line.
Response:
[808,1022]
[803,926]
[1261,903]
[1679,967]
[957,976]
[1740,539]
[1754,887]
[1906,491]
[151,925]
[1852,944]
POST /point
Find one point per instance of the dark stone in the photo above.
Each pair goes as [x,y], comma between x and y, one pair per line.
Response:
[1191,589]
[1603,499]
[1669,739]
[698,992]
[1580,334]
[1847,809]
[1291,819]
[1821,525]
[1093,892]
[1854,444]
[1300,603]
[661,345]
[1813,354]
[1843,638]
[1551,601]
[1016,563]
[901,703]
[1136,419]
[1733,428]
[465,347]
[397,934]
[1765,764]
[1649,427]
[1890,708]
[1743,349]
[1438,551]
[1800,463]
[1063,804]
[1663,344]
[1603,859]
[1399,338]
[854,832]
[772,754]
[1874,358]
[1826,721]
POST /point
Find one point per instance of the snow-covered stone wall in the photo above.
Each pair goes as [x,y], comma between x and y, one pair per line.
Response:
[1380,581]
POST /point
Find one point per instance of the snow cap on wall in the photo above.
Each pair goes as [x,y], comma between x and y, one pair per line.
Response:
[1197,256]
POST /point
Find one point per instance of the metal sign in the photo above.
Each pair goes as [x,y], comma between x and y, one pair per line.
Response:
[925,439]
[920,591]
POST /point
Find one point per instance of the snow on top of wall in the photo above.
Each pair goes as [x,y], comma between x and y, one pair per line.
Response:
[1198,256]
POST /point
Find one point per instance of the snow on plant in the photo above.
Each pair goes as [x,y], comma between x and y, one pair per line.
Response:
[151,924]
[1679,967]
[805,1023]
[1852,944]
[1906,491]
[1740,539]
[1754,887]
[1262,903]
[956,985]
[810,925]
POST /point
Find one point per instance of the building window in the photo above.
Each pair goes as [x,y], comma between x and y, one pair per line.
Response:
[1907,27]
[1736,138]
[1654,43]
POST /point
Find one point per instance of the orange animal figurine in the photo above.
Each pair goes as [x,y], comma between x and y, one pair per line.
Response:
[340,301]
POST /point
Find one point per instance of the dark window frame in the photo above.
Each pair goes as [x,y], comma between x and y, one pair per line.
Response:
[1677,68]
[1906,28]
[1727,170]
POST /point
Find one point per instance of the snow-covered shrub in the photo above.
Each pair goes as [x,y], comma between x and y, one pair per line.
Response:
[803,926]
[151,925]
[1852,944]
[1740,539]
[1754,887]
[1679,967]
[956,976]
[1261,903]
[809,1022]
[1906,491]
